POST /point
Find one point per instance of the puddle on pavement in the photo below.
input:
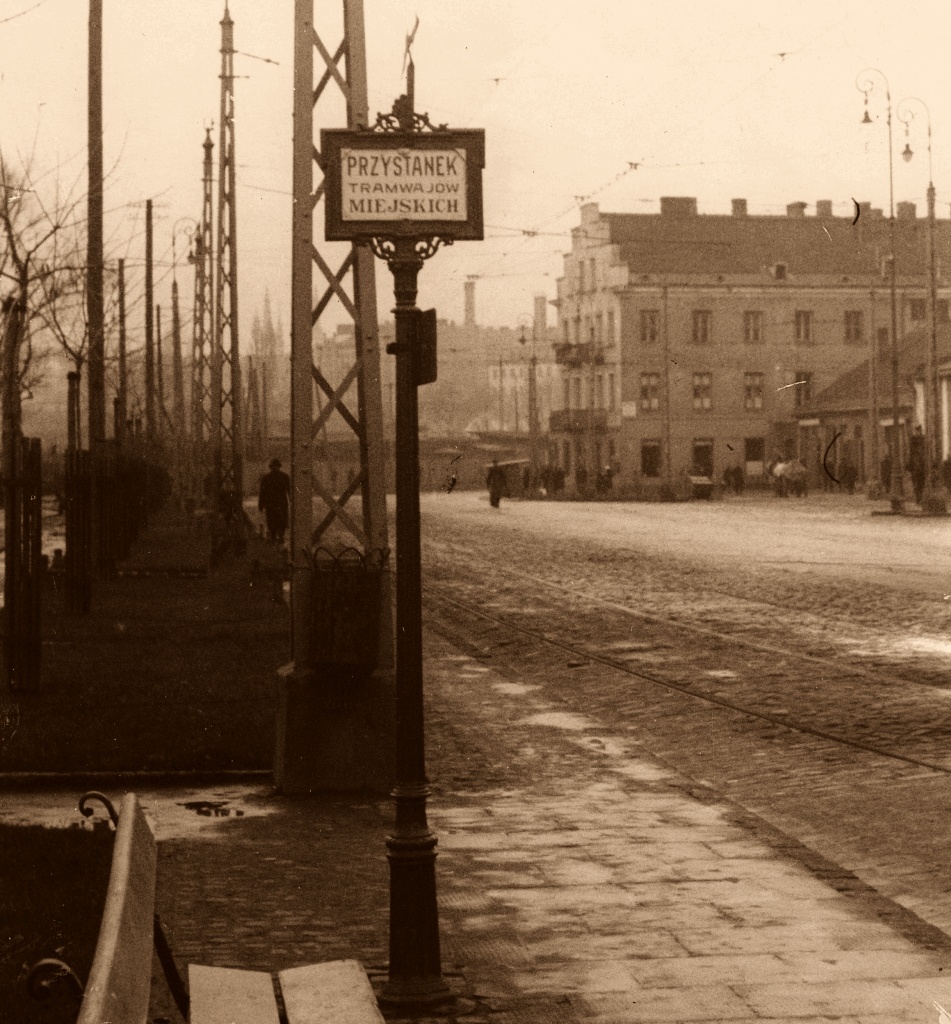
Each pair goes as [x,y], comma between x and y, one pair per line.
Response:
[174,813]
[514,689]
[559,720]
[720,673]
[926,645]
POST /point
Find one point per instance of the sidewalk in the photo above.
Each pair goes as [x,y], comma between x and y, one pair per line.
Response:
[578,879]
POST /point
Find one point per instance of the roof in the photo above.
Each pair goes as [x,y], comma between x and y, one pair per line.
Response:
[850,391]
[714,244]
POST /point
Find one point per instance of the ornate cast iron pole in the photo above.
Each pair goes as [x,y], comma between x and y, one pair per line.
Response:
[896,489]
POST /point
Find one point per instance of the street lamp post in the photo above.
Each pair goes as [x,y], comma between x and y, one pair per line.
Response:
[532,407]
[896,495]
[934,499]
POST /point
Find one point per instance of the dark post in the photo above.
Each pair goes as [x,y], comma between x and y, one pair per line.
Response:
[159,374]
[94,288]
[73,439]
[150,424]
[178,369]
[13,313]
[122,394]
[415,965]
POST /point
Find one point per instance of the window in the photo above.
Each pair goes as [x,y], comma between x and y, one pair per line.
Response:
[593,276]
[612,401]
[753,399]
[754,449]
[804,327]
[576,392]
[702,386]
[779,272]
[650,458]
[566,332]
[599,393]
[609,340]
[578,330]
[803,389]
[599,331]
[702,326]
[752,326]
[703,457]
[918,310]
[650,392]
[854,326]
[566,456]
[567,396]
[650,323]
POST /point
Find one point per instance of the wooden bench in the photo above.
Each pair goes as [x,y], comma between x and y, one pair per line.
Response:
[119,982]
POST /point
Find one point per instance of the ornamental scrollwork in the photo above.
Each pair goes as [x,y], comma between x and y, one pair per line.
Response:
[402,118]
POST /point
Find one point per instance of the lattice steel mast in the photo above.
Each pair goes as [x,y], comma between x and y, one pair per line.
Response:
[226,376]
[370,530]
[203,325]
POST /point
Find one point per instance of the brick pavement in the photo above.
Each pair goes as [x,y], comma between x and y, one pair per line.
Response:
[580,880]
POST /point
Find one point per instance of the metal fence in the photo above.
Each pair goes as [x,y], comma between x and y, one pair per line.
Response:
[78,501]
[23,558]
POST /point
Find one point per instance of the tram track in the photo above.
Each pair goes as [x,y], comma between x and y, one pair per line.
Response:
[766,662]
[686,689]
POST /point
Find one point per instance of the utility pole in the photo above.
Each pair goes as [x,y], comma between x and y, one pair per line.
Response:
[227,376]
[159,373]
[150,423]
[178,374]
[122,393]
[202,417]
[94,255]
[874,481]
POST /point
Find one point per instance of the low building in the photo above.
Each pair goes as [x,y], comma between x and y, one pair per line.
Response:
[692,342]
[836,426]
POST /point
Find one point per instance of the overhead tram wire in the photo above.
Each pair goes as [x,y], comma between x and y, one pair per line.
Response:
[776,61]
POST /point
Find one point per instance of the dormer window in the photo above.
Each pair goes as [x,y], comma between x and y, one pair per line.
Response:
[779,272]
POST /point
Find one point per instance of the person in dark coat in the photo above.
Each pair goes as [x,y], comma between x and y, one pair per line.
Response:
[918,463]
[495,481]
[274,496]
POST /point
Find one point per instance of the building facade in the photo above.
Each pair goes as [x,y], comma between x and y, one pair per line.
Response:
[691,342]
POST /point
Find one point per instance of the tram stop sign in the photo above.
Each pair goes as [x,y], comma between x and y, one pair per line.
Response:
[403,184]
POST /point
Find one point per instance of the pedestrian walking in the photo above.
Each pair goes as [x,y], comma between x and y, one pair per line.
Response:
[495,481]
[274,495]
[917,463]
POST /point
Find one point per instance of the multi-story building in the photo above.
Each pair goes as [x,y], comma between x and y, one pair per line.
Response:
[689,342]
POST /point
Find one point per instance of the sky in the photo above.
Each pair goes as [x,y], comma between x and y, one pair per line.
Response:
[605,101]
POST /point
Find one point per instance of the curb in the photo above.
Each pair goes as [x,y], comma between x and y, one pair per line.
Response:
[91,779]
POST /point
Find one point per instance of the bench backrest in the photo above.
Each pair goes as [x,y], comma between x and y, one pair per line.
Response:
[119,981]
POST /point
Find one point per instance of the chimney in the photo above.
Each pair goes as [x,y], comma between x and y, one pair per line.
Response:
[906,211]
[739,207]
[678,206]
[541,317]
[823,207]
[796,210]
[470,320]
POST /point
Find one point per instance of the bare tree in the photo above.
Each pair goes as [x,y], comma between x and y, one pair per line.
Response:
[37,259]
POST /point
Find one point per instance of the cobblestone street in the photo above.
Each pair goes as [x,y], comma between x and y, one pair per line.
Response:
[846,748]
